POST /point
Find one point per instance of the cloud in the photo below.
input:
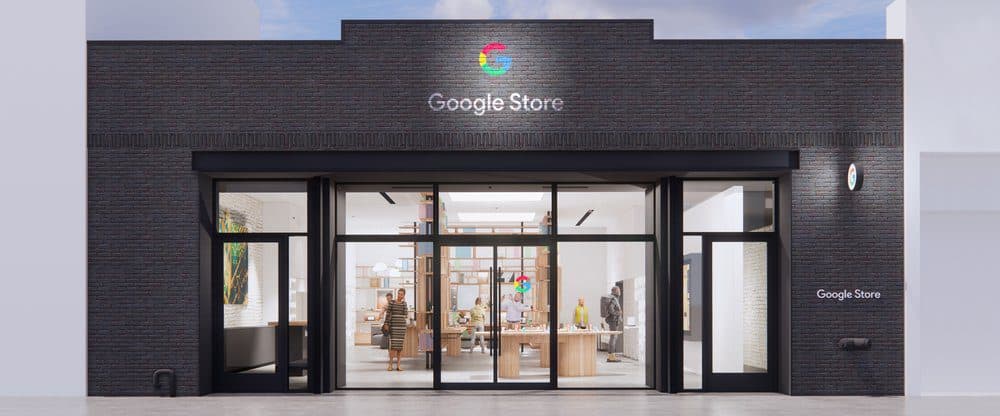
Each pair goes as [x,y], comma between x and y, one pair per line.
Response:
[278,22]
[678,18]
[462,9]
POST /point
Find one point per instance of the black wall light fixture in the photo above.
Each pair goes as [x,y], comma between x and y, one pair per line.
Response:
[584,217]
[387,199]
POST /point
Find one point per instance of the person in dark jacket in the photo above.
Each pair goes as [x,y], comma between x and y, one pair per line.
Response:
[614,320]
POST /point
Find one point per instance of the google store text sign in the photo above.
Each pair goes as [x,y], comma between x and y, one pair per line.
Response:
[848,295]
[494,63]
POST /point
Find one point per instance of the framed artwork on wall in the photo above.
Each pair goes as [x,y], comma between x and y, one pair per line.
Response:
[235,269]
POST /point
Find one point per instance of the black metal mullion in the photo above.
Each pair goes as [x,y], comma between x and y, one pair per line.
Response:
[553,290]
[383,238]
[436,288]
[605,237]
[495,331]
[218,322]
[707,377]
[281,331]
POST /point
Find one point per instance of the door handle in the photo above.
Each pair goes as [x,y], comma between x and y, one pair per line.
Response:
[497,328]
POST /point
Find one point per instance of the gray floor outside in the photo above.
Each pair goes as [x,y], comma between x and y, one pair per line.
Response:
[519,403]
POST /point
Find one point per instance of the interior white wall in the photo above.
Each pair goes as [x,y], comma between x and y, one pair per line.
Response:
[720,212]
[727,308]
[950,101]
[44,267]
[173,20]
[579,263]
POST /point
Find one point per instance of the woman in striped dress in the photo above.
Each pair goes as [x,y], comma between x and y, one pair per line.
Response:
[397,327]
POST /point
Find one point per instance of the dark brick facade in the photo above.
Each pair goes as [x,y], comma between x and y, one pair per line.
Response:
[150,104]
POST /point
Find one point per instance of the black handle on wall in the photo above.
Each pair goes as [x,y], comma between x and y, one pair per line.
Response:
[171,380]
[855,344]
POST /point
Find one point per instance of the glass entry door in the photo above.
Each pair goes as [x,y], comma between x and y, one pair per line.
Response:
[495,325]
[261,315]
[739,349]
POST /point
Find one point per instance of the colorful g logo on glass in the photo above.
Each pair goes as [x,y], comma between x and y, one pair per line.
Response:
[521,284]
[501,63]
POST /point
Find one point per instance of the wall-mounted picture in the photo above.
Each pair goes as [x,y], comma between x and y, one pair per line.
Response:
[235,269]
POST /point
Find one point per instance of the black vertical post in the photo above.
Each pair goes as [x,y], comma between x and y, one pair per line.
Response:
[314,269]
[206,311]
[495,335]
[436,289]
[670,294]
[326,358]
[554,290]
[281,332]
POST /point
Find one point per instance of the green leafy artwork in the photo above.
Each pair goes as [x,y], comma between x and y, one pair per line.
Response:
[235,268]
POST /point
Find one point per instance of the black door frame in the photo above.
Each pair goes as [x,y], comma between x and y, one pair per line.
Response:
[251,383]
[495,242]
[740,382]
[222,383]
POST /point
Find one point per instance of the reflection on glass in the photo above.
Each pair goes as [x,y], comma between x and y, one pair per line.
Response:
[728,206]
[739,307]
[602,209]
[495,209]
[250,306]
[388,209]
[692,312]
[373,274]
[262,207]
[604,319]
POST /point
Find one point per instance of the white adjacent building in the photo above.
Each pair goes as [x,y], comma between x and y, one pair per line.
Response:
[952,193]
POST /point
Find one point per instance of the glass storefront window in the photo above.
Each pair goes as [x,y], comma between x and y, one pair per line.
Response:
[372,274]
[250,306]
[388,209]
[739,307]
[597,350]
[495,209]
[728,206]
[262,207]
[604,209]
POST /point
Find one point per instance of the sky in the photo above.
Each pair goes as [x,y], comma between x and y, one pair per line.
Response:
[672,19]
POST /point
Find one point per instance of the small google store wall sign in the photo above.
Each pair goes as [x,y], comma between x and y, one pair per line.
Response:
[855,177]
[494,63]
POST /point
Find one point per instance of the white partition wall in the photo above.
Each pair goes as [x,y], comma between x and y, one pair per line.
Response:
[952,214]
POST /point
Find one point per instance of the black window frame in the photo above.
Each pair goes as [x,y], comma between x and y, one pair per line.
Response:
[767,382]
[551,240]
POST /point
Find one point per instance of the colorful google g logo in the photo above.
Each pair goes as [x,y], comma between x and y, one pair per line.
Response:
[502,60]
[522,284]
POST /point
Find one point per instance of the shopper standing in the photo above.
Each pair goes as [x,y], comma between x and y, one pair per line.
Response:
[397,327]
[614,320]
[515,311]
[581,317]
[478,324]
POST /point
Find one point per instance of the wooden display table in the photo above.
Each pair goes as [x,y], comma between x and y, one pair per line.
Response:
[451,341]
[410,342]
[577,351]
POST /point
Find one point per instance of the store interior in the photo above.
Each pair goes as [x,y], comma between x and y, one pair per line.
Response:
[586,272]
[494,349]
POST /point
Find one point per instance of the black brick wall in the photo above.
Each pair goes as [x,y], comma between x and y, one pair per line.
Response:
[151,103]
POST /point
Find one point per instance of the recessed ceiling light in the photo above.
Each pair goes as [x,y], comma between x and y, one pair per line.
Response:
[487,217]
[496,196]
